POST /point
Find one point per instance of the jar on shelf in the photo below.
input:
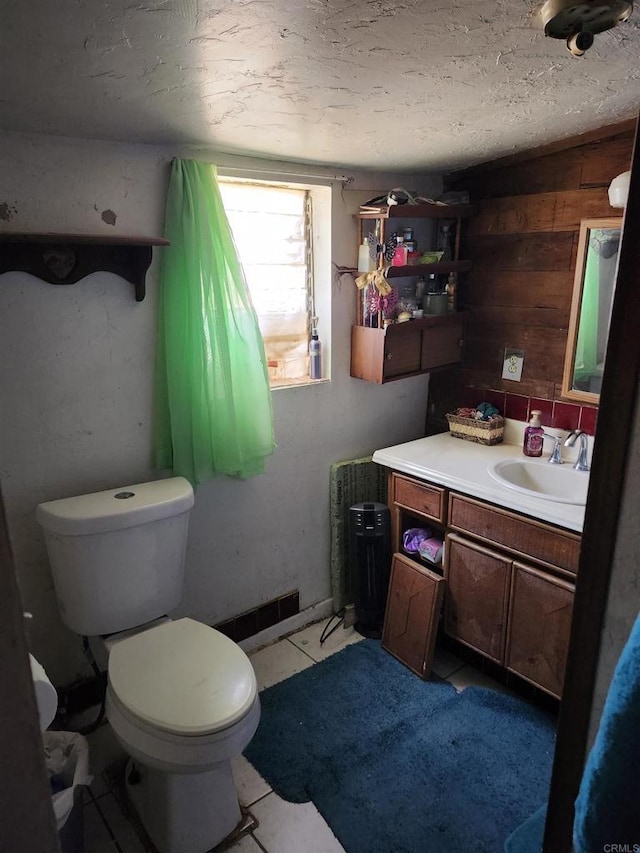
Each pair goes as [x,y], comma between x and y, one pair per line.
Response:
[400,255]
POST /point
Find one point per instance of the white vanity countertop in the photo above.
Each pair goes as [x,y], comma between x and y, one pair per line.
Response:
[462,465]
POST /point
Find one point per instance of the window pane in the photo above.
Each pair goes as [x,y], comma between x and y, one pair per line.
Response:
[268,225]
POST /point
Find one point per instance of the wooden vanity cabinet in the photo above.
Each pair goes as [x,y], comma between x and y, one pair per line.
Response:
[506,582]
[530,615]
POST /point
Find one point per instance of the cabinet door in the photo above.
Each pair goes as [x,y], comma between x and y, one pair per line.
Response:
[477,596]
[539,626]
[441,345]
[402,352]
[413,611]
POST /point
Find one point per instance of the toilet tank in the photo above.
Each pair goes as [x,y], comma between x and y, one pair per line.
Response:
[117,557]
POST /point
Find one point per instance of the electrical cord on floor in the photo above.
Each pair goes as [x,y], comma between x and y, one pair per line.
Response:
[326,633]
[86,730]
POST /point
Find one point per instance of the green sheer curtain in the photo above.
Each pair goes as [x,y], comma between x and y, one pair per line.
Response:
[213,402]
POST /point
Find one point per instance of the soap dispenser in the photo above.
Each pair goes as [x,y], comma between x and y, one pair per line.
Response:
[533,436]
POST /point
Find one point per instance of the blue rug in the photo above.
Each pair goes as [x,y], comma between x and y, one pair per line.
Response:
[398,765]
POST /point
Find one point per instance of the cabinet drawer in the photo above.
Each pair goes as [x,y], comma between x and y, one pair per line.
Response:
[423,499]
[535,540]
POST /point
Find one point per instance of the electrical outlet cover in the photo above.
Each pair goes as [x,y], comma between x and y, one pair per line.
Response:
[512,365]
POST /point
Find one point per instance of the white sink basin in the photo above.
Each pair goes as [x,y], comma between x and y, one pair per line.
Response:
[540,479]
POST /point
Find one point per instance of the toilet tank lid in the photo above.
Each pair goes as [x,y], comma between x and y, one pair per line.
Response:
[116,509]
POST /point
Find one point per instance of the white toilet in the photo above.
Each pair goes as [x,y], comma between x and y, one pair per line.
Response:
[181,697]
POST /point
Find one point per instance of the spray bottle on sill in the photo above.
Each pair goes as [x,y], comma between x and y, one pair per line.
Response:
[533,436]
[315,367]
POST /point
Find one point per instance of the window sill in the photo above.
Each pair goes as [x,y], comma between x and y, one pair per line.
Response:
[298,383]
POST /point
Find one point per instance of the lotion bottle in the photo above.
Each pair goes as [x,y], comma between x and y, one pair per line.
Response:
[533,436]
[365,261]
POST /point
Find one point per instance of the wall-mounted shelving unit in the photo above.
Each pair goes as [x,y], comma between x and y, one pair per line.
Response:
[68,258]
[417,346]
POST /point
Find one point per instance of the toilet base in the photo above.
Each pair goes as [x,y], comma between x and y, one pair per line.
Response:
[184,812]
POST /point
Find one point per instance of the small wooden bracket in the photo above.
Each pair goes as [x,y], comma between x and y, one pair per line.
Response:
[68,258]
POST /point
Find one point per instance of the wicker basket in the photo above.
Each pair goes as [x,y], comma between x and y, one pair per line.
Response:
[482,432]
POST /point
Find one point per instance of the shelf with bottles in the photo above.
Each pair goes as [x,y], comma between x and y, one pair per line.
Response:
[404,253]
[407,240]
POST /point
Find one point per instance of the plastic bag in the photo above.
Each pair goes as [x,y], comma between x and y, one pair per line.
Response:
[412,538]
[67,760]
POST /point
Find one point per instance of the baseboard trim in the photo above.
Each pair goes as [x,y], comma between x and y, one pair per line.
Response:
[320,610]
[251,622]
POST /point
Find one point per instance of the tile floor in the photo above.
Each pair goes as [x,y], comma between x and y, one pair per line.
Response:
[282,827]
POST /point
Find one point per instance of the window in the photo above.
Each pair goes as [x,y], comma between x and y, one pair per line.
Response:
[273,229]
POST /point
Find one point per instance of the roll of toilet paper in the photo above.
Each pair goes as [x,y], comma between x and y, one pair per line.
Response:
[46,695]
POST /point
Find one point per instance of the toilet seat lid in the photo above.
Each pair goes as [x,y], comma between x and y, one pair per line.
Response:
[183,677]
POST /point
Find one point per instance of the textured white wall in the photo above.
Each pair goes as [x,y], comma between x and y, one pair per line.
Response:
[76,373]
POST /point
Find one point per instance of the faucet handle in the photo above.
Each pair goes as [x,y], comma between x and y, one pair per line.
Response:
[556,454]
[582,463]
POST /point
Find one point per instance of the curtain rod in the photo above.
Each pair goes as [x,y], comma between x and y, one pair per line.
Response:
[345,179]
[264,170]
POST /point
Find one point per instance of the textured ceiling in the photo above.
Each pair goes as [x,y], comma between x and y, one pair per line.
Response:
[379,84]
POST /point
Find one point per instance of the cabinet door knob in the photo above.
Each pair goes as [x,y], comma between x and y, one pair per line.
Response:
[390,355]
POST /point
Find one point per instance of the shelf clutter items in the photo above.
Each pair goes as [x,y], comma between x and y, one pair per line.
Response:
[381,254]
[424,542]
[483,424]
[406,315]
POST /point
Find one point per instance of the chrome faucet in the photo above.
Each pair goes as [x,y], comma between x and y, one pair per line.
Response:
[582,463]
[556,453]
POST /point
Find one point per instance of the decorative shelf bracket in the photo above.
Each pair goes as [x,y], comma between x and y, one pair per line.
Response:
[68,258]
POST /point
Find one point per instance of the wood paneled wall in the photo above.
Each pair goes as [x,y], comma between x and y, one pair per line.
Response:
[522,243]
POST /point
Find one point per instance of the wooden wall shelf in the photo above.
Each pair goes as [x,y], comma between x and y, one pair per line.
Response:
[420,211]
[429,269]
[68,258]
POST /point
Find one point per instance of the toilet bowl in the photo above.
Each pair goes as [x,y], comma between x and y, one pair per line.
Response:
[182,700]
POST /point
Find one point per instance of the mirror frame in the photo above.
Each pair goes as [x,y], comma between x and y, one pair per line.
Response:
[568,392]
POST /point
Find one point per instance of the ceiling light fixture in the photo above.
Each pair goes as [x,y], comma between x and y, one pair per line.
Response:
[578,23]
[619,190]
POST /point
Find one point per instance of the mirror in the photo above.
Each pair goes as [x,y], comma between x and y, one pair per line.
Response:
[593,287]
